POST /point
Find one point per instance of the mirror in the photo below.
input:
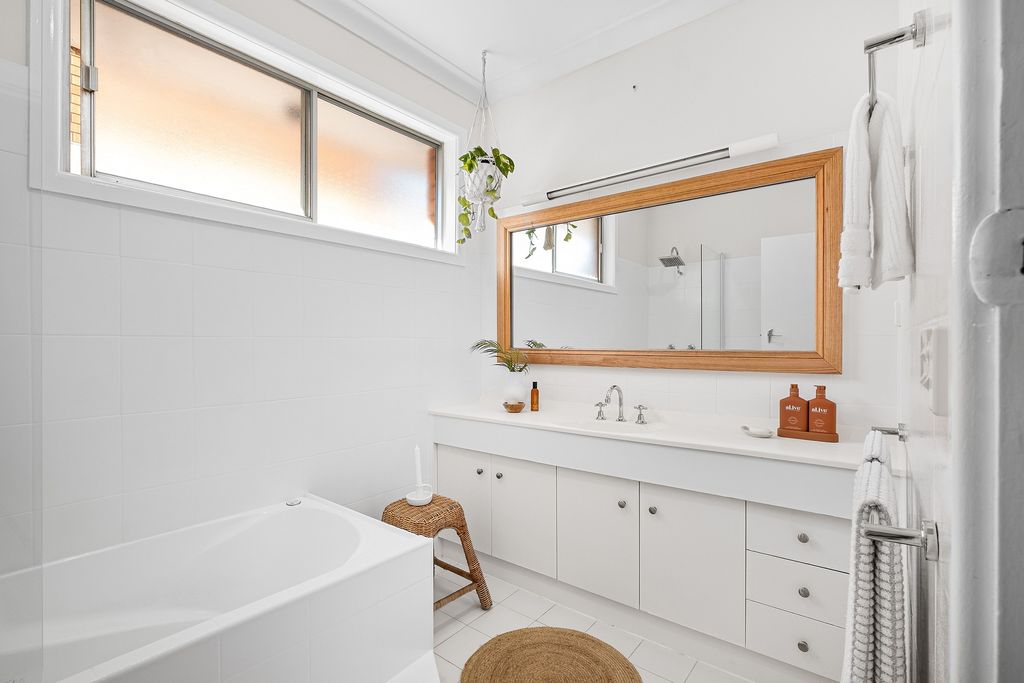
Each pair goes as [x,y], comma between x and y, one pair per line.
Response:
[734,270]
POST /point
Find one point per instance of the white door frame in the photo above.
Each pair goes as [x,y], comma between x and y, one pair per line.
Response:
[985,545]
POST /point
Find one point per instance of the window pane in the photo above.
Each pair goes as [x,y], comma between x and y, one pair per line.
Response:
[521,248]
[174,113]
[373,179]
[581,255]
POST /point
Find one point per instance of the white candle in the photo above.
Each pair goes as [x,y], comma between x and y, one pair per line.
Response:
[419,468]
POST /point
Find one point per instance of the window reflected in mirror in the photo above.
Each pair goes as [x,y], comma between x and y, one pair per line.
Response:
[733,271]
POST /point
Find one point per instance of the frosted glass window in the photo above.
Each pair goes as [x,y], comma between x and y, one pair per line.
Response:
[581,255]
[172,112]
[374,179]
[541,258]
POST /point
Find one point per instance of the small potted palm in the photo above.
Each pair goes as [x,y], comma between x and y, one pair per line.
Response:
[516,387]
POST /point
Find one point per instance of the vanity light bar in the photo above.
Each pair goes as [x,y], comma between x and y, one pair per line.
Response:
[736,149]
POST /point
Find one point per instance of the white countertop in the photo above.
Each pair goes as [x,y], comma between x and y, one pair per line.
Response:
[716,433]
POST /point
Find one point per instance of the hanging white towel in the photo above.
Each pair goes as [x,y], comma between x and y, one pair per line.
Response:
[876,243]
[876,645]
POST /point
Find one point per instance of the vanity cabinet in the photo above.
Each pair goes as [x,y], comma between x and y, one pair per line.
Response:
[599,535]
[692,560]
[509,505]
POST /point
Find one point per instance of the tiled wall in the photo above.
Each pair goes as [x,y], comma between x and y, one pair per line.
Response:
[158,371]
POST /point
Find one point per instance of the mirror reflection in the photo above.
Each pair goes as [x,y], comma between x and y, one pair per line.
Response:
[733,271]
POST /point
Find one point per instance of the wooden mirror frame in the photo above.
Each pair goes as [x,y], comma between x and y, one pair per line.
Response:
[825,167]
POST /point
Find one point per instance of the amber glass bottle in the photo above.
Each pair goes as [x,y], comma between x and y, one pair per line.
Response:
[535,398]
[793,410]
[822,413]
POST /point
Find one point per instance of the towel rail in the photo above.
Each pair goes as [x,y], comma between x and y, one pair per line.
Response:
[899,430]
[915,32]
[926,538]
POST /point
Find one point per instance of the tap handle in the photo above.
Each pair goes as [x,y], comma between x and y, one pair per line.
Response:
[600,410]
[640,419]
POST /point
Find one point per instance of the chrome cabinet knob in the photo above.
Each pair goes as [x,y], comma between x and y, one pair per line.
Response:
[803,646]
[622,504]
[499,475]
[803,592]
[479,470]
[802,537]
[653,510]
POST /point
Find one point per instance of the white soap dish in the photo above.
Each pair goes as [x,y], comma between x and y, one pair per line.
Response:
[757,432]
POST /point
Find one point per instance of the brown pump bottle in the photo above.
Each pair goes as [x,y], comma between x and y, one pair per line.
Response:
[793,410]
[822,413]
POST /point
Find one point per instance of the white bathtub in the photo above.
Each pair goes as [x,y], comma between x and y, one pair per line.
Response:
[307,593]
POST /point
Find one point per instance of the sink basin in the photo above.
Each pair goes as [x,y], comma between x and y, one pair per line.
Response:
[611,426]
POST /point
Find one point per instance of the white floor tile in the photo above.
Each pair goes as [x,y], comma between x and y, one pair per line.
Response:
[563,617]
[500,619]
[448,671]
[445,626]
[705,673]
[623,641]
[527,603]
[499,589]
[460,647]
[466,609]
[662,661]
[648,677]
[444,586]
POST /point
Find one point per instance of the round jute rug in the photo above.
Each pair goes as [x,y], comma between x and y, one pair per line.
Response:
[543,654]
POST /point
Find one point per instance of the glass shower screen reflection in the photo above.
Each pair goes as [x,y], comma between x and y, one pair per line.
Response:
[174,113]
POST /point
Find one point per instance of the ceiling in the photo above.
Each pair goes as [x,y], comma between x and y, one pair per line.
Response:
[529,42]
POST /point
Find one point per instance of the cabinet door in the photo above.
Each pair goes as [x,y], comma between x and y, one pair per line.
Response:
[598,535]
[466,477]
[692,559]
[523,513]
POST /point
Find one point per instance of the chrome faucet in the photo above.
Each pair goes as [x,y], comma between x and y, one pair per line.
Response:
[608,399]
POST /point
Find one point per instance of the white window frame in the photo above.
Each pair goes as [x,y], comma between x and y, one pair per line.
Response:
[48,140]
[606,268]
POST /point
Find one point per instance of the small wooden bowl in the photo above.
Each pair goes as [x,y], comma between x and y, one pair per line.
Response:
[516,407]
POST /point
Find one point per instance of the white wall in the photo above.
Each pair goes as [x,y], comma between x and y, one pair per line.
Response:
[927,108]
[157,371]
[795,67]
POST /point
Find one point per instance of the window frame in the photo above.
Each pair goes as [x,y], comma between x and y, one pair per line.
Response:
[217,28]
[604,272]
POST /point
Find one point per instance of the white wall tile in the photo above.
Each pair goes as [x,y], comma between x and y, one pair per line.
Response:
[228,439]
[16,540]
[81,460]
[156,236]
[16,477]
[81,377]
[80,225]
[278,369]
[158,448]
[156,374]
[81,527]
[157,510]
[277,305]
[223,302]
[222,246]
[14,199]
[14,290]
[15,379]
[80,293]
[223,371]
[156,298]
[743,395]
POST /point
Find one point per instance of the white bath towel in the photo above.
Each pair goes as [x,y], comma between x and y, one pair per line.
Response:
[876,244]
[876,645]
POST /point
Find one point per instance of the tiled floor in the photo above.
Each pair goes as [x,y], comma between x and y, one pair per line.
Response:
[461,627]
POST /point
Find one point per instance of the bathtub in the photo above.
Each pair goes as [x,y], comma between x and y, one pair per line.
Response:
[305,592]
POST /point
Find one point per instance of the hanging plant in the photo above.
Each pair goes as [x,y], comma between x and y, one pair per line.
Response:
[482,169]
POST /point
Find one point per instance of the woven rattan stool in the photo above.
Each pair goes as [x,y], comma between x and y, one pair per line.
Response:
[428,520]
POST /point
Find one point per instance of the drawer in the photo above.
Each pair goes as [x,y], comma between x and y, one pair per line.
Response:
[779,635]
[802,536]
[807,590]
